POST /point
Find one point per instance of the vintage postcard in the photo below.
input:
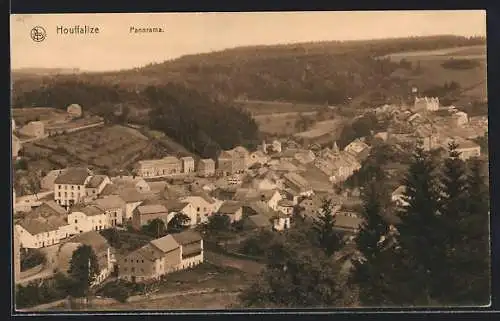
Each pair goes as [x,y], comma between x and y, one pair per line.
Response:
[229,161]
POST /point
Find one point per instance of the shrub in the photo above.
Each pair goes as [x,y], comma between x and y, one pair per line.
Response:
[460,64]
[31,258]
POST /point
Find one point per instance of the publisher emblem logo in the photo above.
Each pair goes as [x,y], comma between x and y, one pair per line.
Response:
[38,34]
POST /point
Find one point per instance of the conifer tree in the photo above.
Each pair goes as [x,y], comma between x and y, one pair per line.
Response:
[371,271]
[453,209]
[420,234]
[327,237]
[477,290]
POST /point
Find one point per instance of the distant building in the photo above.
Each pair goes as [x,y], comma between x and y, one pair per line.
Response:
[426,103]
[187,164]
[114,207]
[44,226]
[459,119]
[161,256]
[74,111]
[233,209]
[281,222]
[298,184]
[206,167]
[88,218]
[69,187]
[47,182]
[35,129]
[165,167]
[144,214]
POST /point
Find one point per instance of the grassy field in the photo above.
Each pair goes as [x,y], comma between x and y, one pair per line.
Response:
[259,107]
[280,123]
[108,147]
[472,81]
[469,52]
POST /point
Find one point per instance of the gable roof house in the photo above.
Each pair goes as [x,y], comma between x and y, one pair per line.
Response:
[162,256]
[45,225]
[358,148]
[233,209]
[143,214]
[114,207]
[298,184]
[70,186]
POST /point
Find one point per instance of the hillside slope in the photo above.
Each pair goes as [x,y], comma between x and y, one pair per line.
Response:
[323,72]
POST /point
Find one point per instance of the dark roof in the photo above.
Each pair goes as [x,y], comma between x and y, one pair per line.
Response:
[89,210]
[49,208]
[258,221]
[110,189]
[93,239]
[229,207]
[186,237]
[73,176]
[131,195]
[40,225]
[95,181]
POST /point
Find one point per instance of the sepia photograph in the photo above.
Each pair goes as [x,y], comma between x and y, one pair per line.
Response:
[249,160]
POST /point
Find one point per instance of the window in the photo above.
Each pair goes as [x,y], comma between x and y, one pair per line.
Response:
[132,269]
[137,261]
[65,194]
[125,260]
[72,187]
[72,194]
[142,261]
[79,187]
[59,194]
[198,209]
[125,269]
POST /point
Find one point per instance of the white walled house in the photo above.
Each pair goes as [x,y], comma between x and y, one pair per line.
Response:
[126,182]
[88,218]
[166,167]
[69,187]
[187,165]
[286,206]
[132,200]
[468,149]
[186,208]
[204,206]
[44,226]
[114,207]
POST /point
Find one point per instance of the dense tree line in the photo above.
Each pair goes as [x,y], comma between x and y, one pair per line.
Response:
[200,123]
[322,72]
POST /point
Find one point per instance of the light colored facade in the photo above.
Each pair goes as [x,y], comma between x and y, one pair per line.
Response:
[206,167]
[162,256]
[70,186]
[187,165]
[166,167]
[204,207]
[281,223]
[174,207]
[426,103]
[459,119]
[47,182]
[34,129]
[286,207]
[398,196]
[114,207]
[88,218]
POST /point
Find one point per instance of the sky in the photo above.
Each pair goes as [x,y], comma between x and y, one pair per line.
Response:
[115,47]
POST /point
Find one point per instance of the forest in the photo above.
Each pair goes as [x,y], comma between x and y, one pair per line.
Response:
[322,72]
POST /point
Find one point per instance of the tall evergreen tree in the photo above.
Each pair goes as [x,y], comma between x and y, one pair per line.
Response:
[371,271]
[453,211]
[420,233]
[327,237]
[477,245]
